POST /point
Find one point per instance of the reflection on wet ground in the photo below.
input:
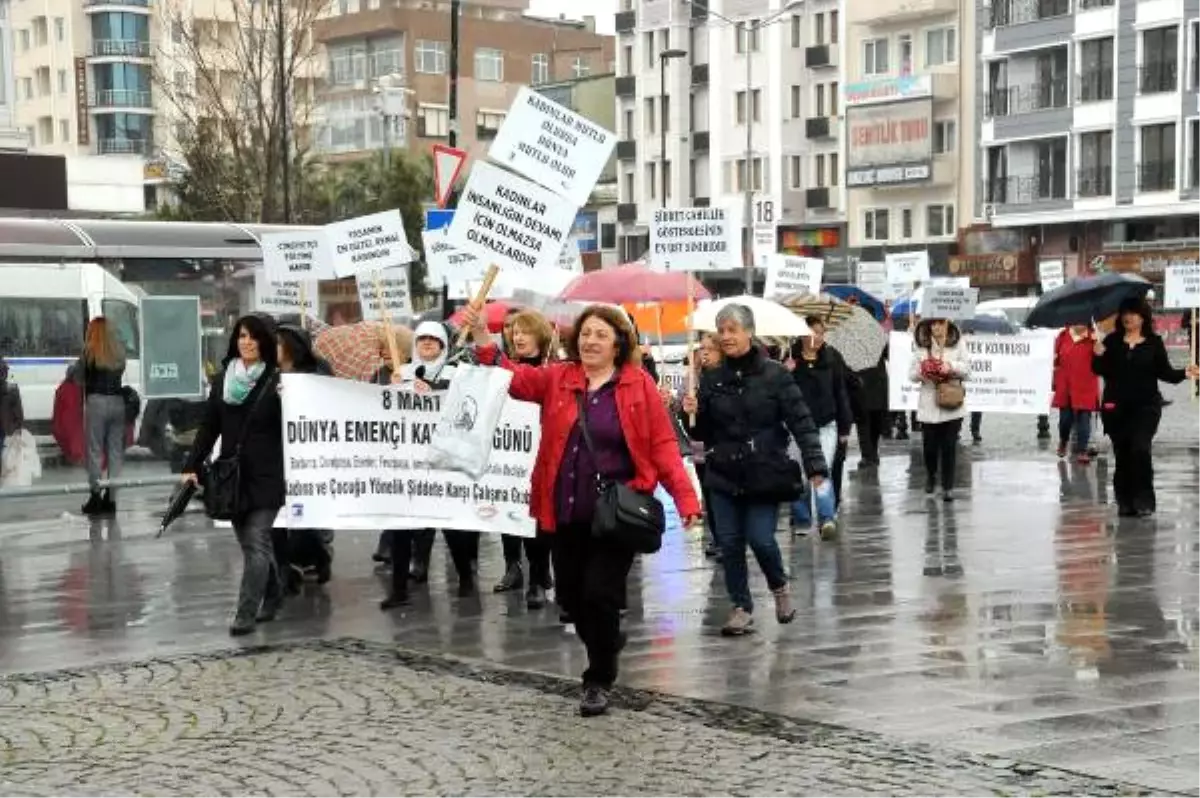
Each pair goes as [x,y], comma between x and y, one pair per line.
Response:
[1022,621]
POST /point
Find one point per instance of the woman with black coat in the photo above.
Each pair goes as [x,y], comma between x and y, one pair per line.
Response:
[1133,360]
[871,410]
[244,411]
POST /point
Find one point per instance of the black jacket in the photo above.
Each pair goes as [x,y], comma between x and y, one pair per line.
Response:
[1131,376]
[873,393]
[754,399]
[262,485]
[823,382]
[102,381]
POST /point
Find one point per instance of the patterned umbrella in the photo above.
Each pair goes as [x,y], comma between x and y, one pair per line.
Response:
[357,351]
[830,309]
[859,338]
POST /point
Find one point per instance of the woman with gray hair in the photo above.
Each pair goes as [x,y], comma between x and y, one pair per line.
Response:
[746,409]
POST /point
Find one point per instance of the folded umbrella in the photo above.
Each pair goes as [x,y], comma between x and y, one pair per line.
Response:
[1083,300]
[180,498]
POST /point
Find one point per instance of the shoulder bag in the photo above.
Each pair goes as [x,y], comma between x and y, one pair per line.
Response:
[222,479]
[624,517]
[950,394]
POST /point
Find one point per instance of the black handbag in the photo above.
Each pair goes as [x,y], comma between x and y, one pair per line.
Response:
[222,478]
[624,517]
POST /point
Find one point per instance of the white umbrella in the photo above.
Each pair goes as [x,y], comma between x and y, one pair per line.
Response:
[771,319]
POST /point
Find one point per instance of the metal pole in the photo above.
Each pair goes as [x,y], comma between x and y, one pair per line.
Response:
[748,254]
[454,14]
[285,159]
[662,128]
[387,137]
[83,487]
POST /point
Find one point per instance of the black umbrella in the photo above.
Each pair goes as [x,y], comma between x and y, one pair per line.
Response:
[181,497]
[988,324]
[1086,299]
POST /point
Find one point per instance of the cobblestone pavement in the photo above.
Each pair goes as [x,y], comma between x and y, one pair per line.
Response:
[353,719]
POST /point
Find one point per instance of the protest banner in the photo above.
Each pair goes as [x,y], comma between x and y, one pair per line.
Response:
[510,222]
[694,239]
[279,297]
[369,243]
[907,268]
[872,277]
[552,145]
[1181,286]
[356,456]
[1052,274]
[446,265]
[944,301]
[297,255]
[385,294]
[1009,373]
[788,276]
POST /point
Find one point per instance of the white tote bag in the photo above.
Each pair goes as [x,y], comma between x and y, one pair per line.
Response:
[462,440]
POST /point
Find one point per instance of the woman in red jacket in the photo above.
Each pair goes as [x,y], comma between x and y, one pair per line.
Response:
[634,442]
[1076,389]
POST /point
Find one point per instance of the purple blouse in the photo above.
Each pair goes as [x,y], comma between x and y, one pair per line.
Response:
[575,487]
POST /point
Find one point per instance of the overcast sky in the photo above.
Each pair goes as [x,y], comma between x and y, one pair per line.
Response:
[602,9]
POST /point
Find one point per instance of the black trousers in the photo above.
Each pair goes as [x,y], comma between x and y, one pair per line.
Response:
[591,589]
[940,442]
[1133,471]
[976,424]
[537,551]
[870,425]
[709,524]
[463,546]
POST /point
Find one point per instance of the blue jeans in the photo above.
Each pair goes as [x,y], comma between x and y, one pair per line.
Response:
[738,522]
[825,501]
[1081,422]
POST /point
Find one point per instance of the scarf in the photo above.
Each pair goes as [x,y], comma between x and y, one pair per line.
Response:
[240,381]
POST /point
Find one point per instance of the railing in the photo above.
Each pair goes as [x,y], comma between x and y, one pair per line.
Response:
[1088,5]
[699,74]
[134,3]
[817,127]
[817,198]
[120,98]
[1026,99]
[125,48]
[626,150]
[1093,182]
[818,55]
[1027,189]
[1156,176]
[699,10]
[627,212]
[122,147]
[1016,12]
[625,21]
[626,86]
[700,142]
[1095,86]
[1158,76]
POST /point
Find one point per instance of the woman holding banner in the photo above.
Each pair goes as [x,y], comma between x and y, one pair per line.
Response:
[940,365]
[629,439]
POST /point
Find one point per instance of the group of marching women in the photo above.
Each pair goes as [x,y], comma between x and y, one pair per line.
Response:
[765,432]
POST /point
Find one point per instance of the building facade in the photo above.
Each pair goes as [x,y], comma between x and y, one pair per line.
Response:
[11,136]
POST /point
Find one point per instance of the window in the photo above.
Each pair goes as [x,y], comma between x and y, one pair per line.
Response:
[1193,145]
[944,135]
[906,223]
[941,46]
[648,115]
[747,36]
[795,102]
[833,26]
[3,76]
[1160,64]
[796,38]
[62,81]
[580,67]
[41,327]
[627,60]
[429,57]
[1193,62]
[648,47]
[905,46]
[666,176]
[875,57]
[43,81]
[834,91]
[1095,164]
[796,170]
[819,29]
[755,104]
[60,29]
[347,64]
[875,224]
[64,131]
[629,131]
[819,99]
[433,121]
[540,69]
[41,33]
[666,113]
[387,57]
[27,84]
[740,107]
[181,82]
[123,319]
[651,180]
[1096,70]
[176,31]
[608,235]
[939,220]
[834,169]
[693,180]
[626,193]
[489,65]
[738,169]
[819,171]
[1156,168]
[487,123]
[24,37]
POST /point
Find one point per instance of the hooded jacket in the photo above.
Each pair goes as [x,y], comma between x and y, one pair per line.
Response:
[434,371]
[954,355]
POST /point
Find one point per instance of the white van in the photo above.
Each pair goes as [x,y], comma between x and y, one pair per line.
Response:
[44,312]
[1016,309]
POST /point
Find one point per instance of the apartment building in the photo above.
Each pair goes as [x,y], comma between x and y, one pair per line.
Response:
[379,47]
[1090,130]
[909,107]
[11,137]
[720,96]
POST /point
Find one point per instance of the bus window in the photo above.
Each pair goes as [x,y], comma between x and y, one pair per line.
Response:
[34,327]
[123,319]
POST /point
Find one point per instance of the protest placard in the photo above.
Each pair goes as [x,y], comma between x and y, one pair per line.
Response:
[766,212]
[945,301]
[788,276]
[356,456]
[1009,373]
[694,239]
[446,265]
[907,268]
[297,255]
[1181,286]
[393,289]
[872,278]
[569,258]
[552,145]
[369,243]
[279,297]
[508,221]
[1052,274]
[674,375]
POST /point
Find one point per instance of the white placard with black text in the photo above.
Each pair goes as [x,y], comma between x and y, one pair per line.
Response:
[1052,274]
[297,255]
[448,266]
[907,268]
[279,297]
[1181,286]
[765,212]
[369,243]
[942,301]
[390,285]
[872,278]
[693,239]
[788,276]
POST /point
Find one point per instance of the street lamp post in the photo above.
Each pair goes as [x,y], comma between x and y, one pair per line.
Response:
[663,57]
[392,100]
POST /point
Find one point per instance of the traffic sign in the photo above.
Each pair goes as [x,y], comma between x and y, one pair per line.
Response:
[447,163]
[436,219]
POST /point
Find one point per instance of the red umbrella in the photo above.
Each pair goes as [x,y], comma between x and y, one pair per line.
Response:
[633,283]
[493,315]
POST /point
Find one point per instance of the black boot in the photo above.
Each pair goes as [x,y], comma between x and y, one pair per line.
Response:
[94,505]
[395,600]
[513,579]
[930,484]
[466,585]
[535,598]
[108,504]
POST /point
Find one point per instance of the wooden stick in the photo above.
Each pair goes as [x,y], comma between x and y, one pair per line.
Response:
[303,305]
[691,346]
[393,349]
[480,299]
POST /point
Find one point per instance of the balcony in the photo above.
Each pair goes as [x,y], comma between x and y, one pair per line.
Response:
[1158,77]
[626,21]
[818,127]
[1027,189]
[699,74]
[627,212]
[700,142]
[819,198]
[1029,99]
[699,10]
[627,150]
[1094,87]
[1089,5]
[121,48]
[1093,182]
[484,133]
[626,86]
[701,202]
[120,98]
[123,147]
[1017,12]
[821,55]
[1156,176]
[909,10]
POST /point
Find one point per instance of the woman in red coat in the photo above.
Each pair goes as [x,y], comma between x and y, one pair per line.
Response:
[634,442]
[1076,389]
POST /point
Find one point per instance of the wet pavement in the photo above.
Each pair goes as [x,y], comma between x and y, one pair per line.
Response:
[1018,641]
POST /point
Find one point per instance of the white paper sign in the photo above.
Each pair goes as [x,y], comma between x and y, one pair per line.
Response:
[788,276]
[297,255]
[396,291]
[450,267]
[1052,274]
[1009,373]
[279,297]
[506,220]
[569,258]
[941,301]
[907,268]
[356,456]
[694,239]
[369,243]
[766,212]
[1181,287]
[872,278]
[552,145]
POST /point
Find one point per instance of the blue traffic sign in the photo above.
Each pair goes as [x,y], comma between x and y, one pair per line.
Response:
[436,218]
